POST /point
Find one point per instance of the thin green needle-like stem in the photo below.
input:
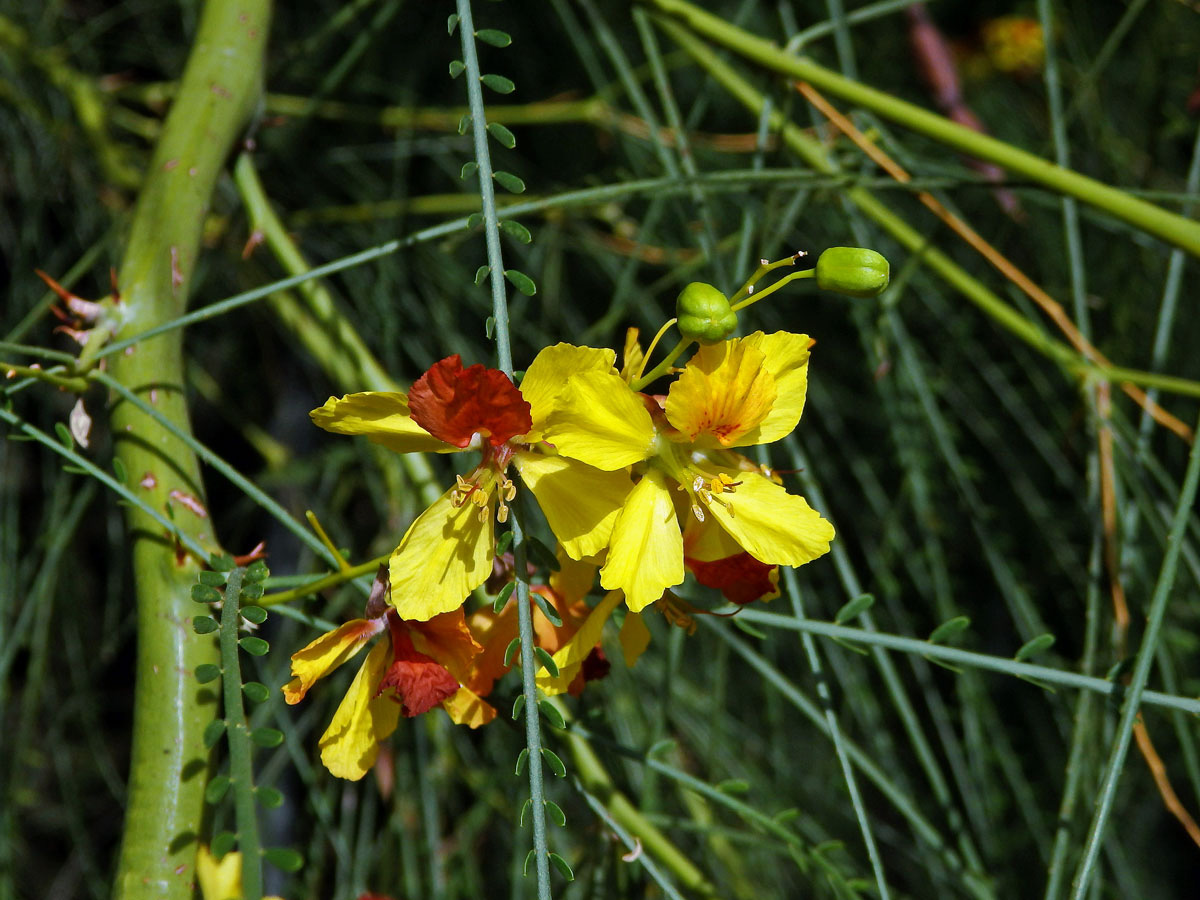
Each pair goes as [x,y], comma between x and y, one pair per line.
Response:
[533,738]
[835,732]
[323,584]
[1163,224]
[596,780]
[1028,671]
[93,471]
[237,730]
[1141,672]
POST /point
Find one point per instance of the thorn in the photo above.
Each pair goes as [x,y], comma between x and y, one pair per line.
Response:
[259,552]
[63,293]
[252,242]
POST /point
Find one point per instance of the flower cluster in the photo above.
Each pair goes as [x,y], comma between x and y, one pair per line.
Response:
[640,487]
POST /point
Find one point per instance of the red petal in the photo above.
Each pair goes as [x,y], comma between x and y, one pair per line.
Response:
[420,683]
[453,403]
[447,639]
[741,578]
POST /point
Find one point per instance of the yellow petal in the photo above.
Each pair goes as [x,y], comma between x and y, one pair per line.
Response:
[634,637]
[786,356]
[645,556]
[467,708]
[219,880]
[770,524]
[571,655]
[633,357]
[549,371]
[600,421]
[446,553]
[580,502]
[326,653]
[723,394]
[573,579]
[707,541]
[383,417]
[350,744]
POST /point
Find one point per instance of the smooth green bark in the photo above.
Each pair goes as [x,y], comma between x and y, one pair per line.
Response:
[168,768]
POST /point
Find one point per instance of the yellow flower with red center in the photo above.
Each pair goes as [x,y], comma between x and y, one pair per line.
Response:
[421,665]
[685,481]
[447,552]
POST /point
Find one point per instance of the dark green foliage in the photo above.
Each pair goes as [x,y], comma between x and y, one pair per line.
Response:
[959,467]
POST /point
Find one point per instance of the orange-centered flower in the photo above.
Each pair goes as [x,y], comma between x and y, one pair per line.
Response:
[421,665]
[447,551]
[684,474]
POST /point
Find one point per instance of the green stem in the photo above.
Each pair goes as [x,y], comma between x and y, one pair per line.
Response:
[940,263]
[596,781]
[1141,673]
[661,369]
[1028,671]
[491,230]
[237,730]
[168,764]
[768,291]
[67,382]
[1171,227]
[321,584]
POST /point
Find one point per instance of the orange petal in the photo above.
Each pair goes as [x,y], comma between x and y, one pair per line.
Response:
[326,653]
[448,640]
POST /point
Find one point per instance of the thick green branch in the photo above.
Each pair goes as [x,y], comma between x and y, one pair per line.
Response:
[166,785]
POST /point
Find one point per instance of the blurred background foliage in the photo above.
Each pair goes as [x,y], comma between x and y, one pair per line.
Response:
[962,470]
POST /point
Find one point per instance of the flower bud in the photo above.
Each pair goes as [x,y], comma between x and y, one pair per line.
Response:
[853,271]
[704,313]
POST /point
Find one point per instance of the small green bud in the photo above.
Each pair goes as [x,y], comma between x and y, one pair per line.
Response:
[853,271]
[704,313]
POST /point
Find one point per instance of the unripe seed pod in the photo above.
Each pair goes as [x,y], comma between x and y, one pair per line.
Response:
[704,313]
[853,271]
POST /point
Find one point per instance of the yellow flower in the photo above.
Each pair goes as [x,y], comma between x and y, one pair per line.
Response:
[422,665]
[735,393]
[220,879]
[447,552]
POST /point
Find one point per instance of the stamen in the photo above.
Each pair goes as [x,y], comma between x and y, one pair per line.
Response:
[698,512]
[502,513]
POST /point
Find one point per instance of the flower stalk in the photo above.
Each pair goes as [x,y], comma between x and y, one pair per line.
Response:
[533,740]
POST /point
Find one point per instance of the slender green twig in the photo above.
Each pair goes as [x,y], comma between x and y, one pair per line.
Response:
[237,731]
[1169,226]
[1029,671]
[241,482]
[533,738]
[835,733]
[186,540]
[1137,692]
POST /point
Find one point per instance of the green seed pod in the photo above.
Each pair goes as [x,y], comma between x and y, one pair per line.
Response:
[704,313]
[853,271]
